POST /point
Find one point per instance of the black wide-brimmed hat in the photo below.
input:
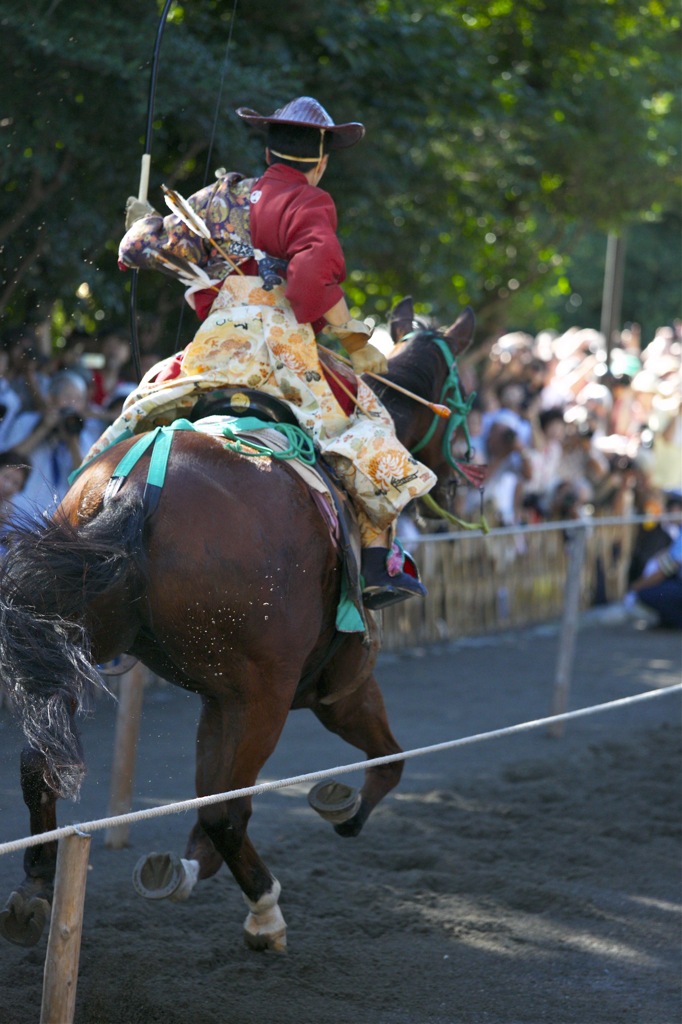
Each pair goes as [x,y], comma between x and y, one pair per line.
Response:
[305,112]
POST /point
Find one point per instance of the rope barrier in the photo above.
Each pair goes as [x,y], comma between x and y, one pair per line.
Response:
[589,523]
[264,787]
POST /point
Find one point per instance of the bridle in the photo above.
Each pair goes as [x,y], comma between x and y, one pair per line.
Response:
[450,396]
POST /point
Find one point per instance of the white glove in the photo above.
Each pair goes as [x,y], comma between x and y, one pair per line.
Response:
[136,209]
[368,360]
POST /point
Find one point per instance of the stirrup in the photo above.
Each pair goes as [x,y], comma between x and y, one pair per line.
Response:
[390,576]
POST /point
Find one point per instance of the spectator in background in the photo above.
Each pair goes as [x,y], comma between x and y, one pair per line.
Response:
[653,538]
[549,431]
[665,468]
[660,586]
[54,440]
[593,404]
[626,412]
[115,349]
[512,411]
[509,467]
[566,502]
[113,403]
[14,472]
[582,463]
[70,355]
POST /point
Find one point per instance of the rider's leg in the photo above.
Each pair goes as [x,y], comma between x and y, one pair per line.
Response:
[389,573]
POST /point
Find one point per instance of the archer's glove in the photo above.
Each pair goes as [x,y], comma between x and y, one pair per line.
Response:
[353,334]
[368,360]
[136,209]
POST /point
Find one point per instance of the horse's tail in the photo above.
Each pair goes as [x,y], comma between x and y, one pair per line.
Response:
[48,578]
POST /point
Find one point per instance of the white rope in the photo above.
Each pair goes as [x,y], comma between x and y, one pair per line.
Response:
[264,787]
[589,523]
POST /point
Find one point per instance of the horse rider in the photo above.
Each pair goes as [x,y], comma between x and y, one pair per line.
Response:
[262,311]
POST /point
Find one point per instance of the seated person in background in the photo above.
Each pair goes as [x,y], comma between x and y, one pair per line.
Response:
[660,586]
[653,538]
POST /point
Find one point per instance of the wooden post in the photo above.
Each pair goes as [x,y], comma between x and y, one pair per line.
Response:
[60,978]
[612,294]
[131,692]
[569,623]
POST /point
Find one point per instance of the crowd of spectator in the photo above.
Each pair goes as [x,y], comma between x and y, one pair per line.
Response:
[54,403]
[569,429]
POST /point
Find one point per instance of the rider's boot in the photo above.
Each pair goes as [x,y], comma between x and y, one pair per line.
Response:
[389,576]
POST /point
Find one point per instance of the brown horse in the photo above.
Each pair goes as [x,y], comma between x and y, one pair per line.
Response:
[228,589]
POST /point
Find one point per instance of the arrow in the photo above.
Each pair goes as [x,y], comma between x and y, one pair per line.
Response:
[439,410]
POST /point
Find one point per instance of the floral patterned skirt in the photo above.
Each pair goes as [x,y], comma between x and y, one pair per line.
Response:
[251,338]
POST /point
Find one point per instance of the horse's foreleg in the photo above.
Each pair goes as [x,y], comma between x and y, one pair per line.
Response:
[360,719]
[232,747]
[28,908]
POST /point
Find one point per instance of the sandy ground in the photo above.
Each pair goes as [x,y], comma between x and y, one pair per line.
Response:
[516,881]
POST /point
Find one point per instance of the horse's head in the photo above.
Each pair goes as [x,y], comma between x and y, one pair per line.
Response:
[425,363]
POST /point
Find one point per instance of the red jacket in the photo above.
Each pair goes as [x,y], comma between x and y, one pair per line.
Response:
[295,221]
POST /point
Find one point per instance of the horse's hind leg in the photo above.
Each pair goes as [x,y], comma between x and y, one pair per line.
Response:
[360,719]
[28,908]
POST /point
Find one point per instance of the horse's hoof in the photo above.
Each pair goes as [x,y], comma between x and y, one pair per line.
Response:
[334,801]
[265,927]
[161,876]
[275,942]
[266,930]
[23,920]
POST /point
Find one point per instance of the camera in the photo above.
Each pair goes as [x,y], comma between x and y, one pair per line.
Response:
[71,420]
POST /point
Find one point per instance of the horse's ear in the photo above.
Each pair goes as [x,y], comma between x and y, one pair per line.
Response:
[460,334]
[401,319]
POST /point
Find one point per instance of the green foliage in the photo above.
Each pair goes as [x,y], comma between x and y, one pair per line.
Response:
[499,134]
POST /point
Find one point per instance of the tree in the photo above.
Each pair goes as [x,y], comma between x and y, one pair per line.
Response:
[498,134]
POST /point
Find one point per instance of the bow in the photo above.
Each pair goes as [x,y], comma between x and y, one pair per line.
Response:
[144,180]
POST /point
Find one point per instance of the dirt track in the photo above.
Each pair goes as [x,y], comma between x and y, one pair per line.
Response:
[516,881]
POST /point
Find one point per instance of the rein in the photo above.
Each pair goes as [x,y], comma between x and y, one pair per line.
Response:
[450,396]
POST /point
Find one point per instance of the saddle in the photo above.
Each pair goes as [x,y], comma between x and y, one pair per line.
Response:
[241,402]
